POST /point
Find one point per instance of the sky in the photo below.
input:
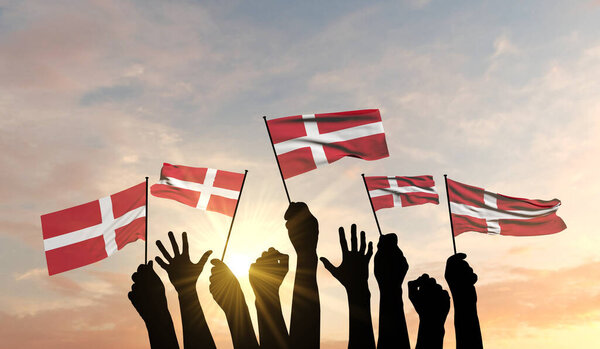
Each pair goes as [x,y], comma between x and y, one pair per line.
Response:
[97,94]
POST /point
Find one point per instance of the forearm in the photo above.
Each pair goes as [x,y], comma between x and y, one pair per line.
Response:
[196,333]
[271,325]
[240,326]
[306,313]
[466,324]
[361,325]
[431,335]
[393,332]
[161,331]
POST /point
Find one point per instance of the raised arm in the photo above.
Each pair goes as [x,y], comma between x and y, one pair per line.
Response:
[227,292]
[353,274]
[266,276]
[184,276]
[390,269]
[432,303]
[461,280]
[148,297]
[305,324]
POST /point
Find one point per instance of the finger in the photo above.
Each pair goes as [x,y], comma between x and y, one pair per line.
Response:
[363,242]
[456,257]
[130,296]
[163,250]
[203,259]
[327,264]
[475,278]
[343,242]
[161,263]
[174,244]
[185,246]
[135,276]
[215,262]
[413,288]
[294,209]
[353,238]
[369,251]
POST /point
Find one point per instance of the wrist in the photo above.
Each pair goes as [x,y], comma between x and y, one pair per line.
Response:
[358,293]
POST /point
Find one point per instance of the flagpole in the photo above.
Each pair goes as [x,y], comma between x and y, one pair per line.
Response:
[146,232]
[277,159]
[450,213]
[371,202]
[234,212]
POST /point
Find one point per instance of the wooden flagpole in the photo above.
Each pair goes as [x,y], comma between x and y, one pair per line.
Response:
[277,159]
[371,202]
[450,213]
[234,212]
[146,232]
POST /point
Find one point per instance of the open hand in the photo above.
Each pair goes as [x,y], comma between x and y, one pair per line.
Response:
[461,278]
[182,272]
[147,292]
[225,288]
[267,273]
[303,227]
[390,264]
[431,302]
[353,273]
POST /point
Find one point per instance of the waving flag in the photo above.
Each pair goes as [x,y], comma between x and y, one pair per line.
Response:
[87,233]
[478,210]
[305,142]
[203,188]
[387,192]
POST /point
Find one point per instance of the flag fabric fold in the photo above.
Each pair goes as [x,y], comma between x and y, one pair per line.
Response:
[84,234]
[204,188]
[388,192]
[305,142]
[475,209]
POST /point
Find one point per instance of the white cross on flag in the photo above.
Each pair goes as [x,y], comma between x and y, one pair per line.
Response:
[200,187]
[478,210]
[305,142]
[387,192]
[87,233]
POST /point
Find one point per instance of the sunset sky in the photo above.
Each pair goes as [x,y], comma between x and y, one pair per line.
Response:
[97,94]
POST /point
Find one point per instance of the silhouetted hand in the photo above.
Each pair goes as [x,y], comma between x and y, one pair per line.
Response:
[461,278]
[148,297]
[268,272]
[228,294]
[390,265]
[182,272]
[431,302]
[147,292]
[303,228]
[353,273]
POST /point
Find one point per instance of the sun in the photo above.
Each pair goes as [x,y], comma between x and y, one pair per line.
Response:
[239,264]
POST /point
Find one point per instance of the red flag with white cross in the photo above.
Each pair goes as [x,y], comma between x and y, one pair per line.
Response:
[204,188]
[475,209]
[84,234]
[305,142]
[388,192]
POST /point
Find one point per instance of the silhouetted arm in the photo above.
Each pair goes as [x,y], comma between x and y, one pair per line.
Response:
[148,297]
[305,324]
[461,280]
[227,292]
[390,270]
[432,303]
[184,276]
[353,274]
[266,276]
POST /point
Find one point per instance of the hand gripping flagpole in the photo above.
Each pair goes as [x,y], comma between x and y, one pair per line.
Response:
[146,232]
[450,213]
[371,202]
[234,212]
[277,159]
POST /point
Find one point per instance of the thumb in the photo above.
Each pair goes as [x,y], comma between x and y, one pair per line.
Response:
[327,264]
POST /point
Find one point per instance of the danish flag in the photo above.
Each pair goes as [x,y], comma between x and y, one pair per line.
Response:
[204,188]
[87,233]
[305,142]
[387,192]
[478,210]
